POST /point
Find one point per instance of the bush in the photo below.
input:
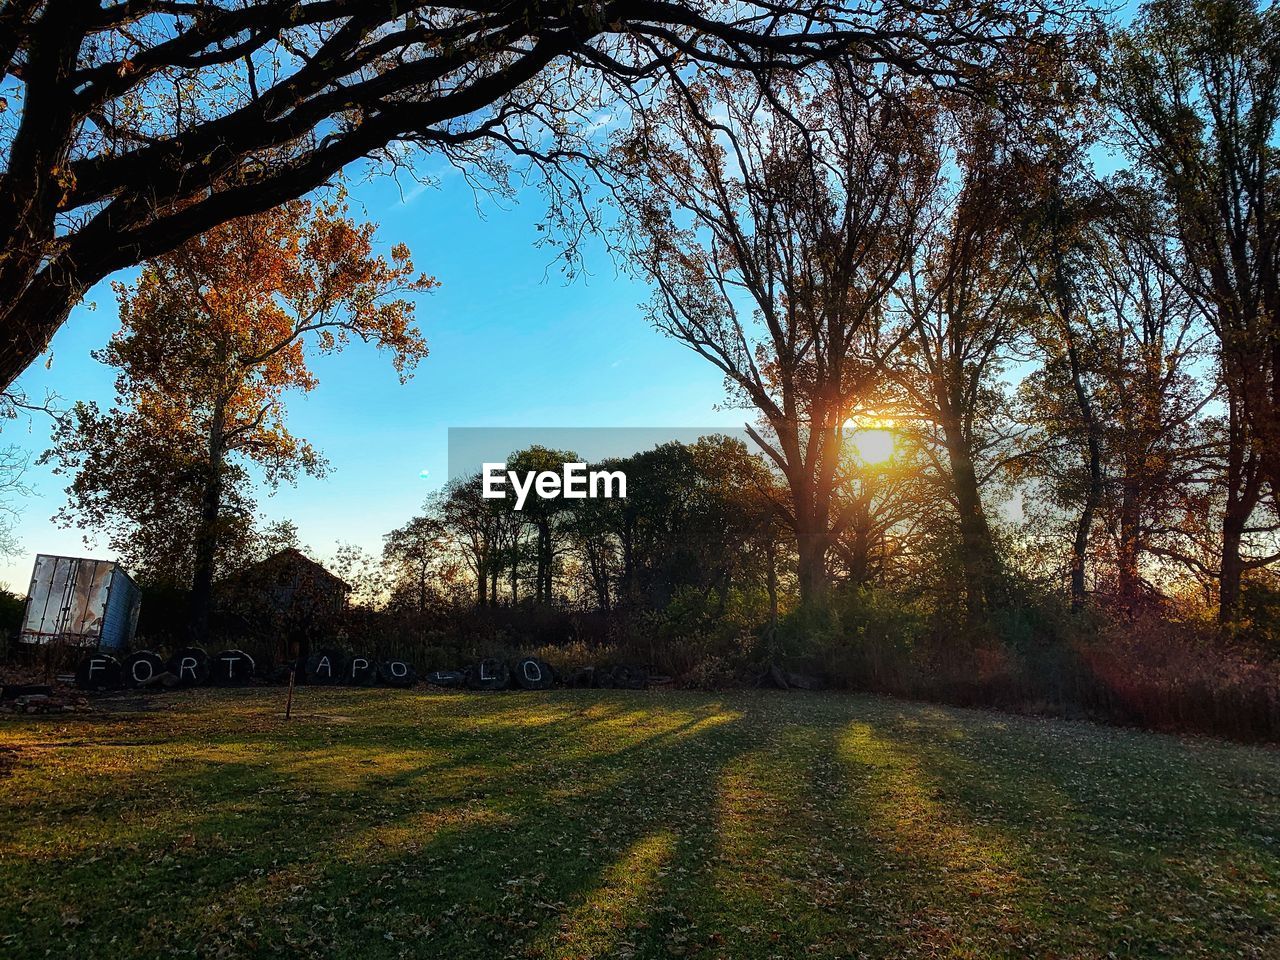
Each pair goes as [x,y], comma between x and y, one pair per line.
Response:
[12,607]
[1157,665]
[863,640]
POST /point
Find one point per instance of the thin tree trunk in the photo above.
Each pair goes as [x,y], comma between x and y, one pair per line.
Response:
[544,563]
[627,589]
[1232,568]
[206,540]
[771,579]
[1093,453]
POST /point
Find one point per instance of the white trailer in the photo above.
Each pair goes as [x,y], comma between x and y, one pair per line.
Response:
[81,602]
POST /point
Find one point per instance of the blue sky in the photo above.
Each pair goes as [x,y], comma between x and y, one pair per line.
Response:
[512,345]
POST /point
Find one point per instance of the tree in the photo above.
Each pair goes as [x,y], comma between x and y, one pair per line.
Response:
[1195,86]
[484,531]
[136,480]
[129,127]
[773,232]
[13,465]
[543,516]
[214,336]
[1149,343]
[414,551]
[700,516]
[1117,406]
[1058,228]
[591,527]
[693,517]
[964,313]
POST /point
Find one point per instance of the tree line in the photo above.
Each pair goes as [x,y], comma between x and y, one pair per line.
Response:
[1035,250]
[1079,369]
[697,516]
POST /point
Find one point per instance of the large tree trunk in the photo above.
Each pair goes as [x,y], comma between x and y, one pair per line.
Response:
[206,540]
[1129,548]
[811,542]
[812,568]
[978,559]
[1243,488]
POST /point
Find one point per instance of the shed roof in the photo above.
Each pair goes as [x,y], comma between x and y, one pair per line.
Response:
[289,557]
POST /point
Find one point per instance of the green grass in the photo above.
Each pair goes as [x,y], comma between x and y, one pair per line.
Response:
[606,824]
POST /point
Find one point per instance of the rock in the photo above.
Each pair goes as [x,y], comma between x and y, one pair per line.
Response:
[190,666]
[801,681]
[98,671]
[231,668]
[397,673]
[446,678]
[359,671]
[490,674]
[12,691]
[325,667]
[786,680]
[140,669]
[533,674]
[630,678]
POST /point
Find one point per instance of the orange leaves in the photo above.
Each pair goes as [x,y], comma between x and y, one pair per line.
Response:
[232,313]
[214,336]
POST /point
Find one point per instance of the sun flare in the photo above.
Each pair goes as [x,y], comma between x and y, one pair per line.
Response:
[874,446]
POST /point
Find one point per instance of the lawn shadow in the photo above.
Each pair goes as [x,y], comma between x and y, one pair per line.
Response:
[302,848]
[1124,841]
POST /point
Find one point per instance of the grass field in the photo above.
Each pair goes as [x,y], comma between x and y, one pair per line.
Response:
[607,824]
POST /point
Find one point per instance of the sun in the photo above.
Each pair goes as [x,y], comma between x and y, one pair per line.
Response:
[874,446]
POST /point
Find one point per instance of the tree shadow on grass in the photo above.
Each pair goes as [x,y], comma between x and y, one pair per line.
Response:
[247,855]
[613,825]
[1124,842]
[510,876]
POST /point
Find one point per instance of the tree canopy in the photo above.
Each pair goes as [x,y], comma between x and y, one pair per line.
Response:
[130,126]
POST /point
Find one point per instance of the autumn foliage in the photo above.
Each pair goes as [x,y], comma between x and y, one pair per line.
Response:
[214,337]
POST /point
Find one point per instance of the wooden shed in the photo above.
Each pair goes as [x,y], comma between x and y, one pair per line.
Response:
[289,598]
